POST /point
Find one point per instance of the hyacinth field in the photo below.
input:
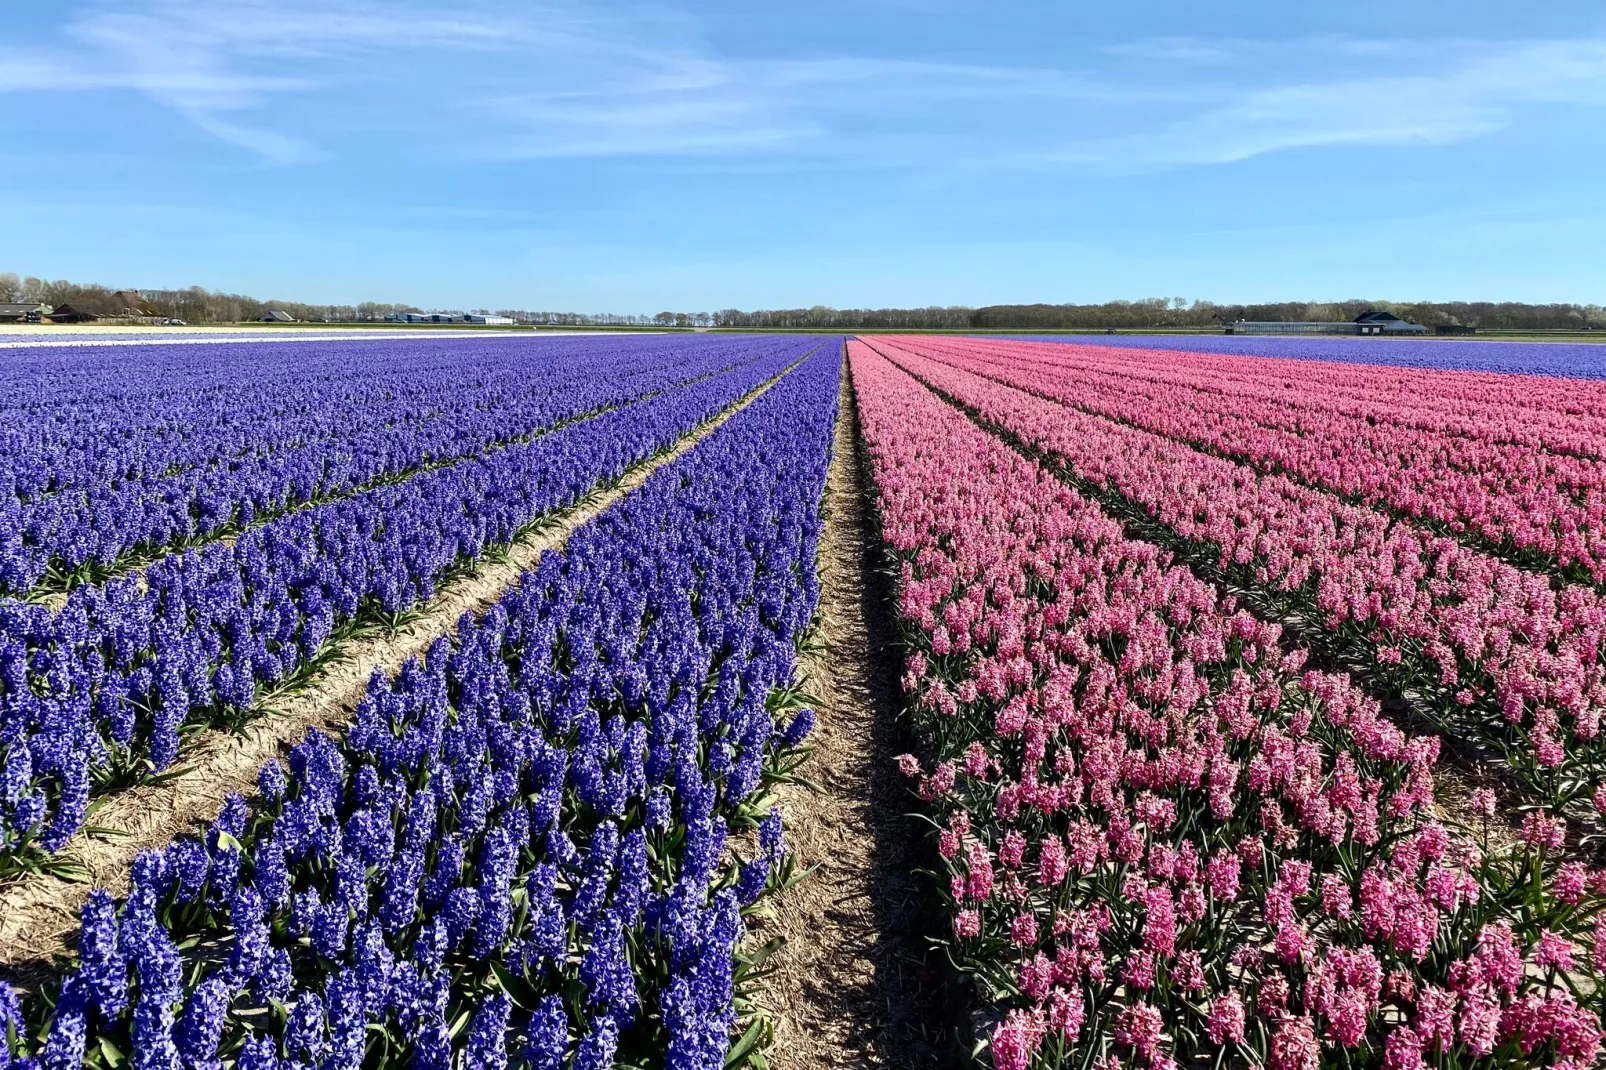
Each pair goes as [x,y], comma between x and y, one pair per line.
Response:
[1246,704]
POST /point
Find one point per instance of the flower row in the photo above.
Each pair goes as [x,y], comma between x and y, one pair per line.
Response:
[82,418]
[1164,839]
[104,688]
[522,848]
[1443,460]
[1478,646]
[1580,360]
[91,416]
[180,476]
[1564,415]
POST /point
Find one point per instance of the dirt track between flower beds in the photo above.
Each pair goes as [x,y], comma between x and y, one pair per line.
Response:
[850,987]
[38,913]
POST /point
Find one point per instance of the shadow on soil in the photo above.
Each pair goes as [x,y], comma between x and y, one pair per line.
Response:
[921,1007]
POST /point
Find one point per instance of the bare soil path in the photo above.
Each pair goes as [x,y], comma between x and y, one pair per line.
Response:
[39,912]
[851,988]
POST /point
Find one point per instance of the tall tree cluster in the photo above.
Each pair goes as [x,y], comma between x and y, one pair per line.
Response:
[195,305]
[1173,314]
[199,305]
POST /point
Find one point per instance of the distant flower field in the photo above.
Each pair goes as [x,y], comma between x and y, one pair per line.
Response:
[1248,709]
[1582,360]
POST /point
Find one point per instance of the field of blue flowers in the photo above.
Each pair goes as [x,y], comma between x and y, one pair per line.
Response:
[538,844]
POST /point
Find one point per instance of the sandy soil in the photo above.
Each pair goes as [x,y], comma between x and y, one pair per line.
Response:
[38,913]
[850,986]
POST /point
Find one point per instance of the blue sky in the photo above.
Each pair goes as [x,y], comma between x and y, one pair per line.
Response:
[598,156]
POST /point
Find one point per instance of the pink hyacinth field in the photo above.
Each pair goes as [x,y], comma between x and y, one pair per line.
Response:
[1253,705]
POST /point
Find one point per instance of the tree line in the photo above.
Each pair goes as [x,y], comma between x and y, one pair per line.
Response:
[1170,314]
[199,305]
[194,305]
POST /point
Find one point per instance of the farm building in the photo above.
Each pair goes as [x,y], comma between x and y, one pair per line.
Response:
[1370,322]
[477,318]
[132,303]
[427,317]
[1386,323]
[72,314]
[276,316]
[23,312]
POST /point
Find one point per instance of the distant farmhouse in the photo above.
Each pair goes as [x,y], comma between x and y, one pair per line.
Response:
[123,305]
[1386,323]
[446,317]
[1372,322]
[23,312]
[275,316]
[132,303]
[72,314]
[424,317]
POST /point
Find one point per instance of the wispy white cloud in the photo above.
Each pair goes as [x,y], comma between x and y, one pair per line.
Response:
[553,79]
[1488,89]
[182,63]
[1187,49]
[224,64]
[292,80]
[694,105]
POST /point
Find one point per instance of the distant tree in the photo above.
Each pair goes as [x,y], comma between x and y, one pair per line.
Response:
[199,305]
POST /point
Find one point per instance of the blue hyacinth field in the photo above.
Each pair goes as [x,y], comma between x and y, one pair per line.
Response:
[537,842]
